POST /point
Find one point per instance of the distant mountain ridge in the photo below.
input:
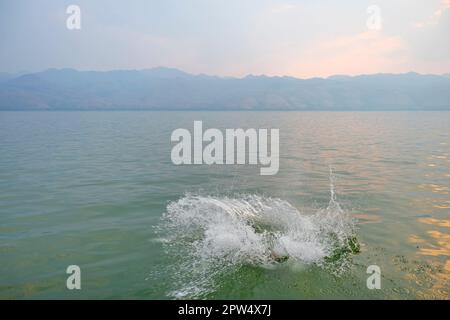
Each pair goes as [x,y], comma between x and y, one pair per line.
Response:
[171,89]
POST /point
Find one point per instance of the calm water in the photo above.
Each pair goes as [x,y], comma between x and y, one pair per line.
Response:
[98,189]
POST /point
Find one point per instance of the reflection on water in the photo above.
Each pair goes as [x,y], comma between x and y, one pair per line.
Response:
[434,279]
[428,269]
[440,246]
[435,188]
[87,188]
[436,222]
[366,218]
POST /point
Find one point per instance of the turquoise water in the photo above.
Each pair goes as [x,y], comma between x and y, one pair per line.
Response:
[98,190]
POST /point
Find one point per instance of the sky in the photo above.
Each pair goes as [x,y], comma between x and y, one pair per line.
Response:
[229,37]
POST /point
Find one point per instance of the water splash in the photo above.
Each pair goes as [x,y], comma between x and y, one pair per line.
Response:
[212,235]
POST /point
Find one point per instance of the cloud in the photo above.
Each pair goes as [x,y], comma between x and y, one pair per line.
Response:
[275,37]
[436,17]
[284,8]
[365,52]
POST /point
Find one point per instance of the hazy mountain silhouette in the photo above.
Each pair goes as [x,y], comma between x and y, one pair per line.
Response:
[172,89]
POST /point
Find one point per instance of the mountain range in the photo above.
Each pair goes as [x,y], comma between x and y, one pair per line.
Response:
[172,89]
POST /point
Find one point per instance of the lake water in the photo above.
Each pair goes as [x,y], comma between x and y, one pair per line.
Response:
[99,190]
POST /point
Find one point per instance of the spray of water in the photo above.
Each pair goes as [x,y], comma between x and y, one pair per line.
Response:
[211,235]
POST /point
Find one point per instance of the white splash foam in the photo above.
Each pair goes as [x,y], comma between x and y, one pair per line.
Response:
[213,235]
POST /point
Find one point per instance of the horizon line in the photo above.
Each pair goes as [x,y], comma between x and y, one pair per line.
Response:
[22,73]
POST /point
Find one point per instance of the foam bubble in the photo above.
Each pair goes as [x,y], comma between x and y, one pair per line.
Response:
[213,235]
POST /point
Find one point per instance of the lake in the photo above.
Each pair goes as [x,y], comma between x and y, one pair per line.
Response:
[99,190]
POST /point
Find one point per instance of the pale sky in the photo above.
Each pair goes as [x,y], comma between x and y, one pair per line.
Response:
[228,37]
